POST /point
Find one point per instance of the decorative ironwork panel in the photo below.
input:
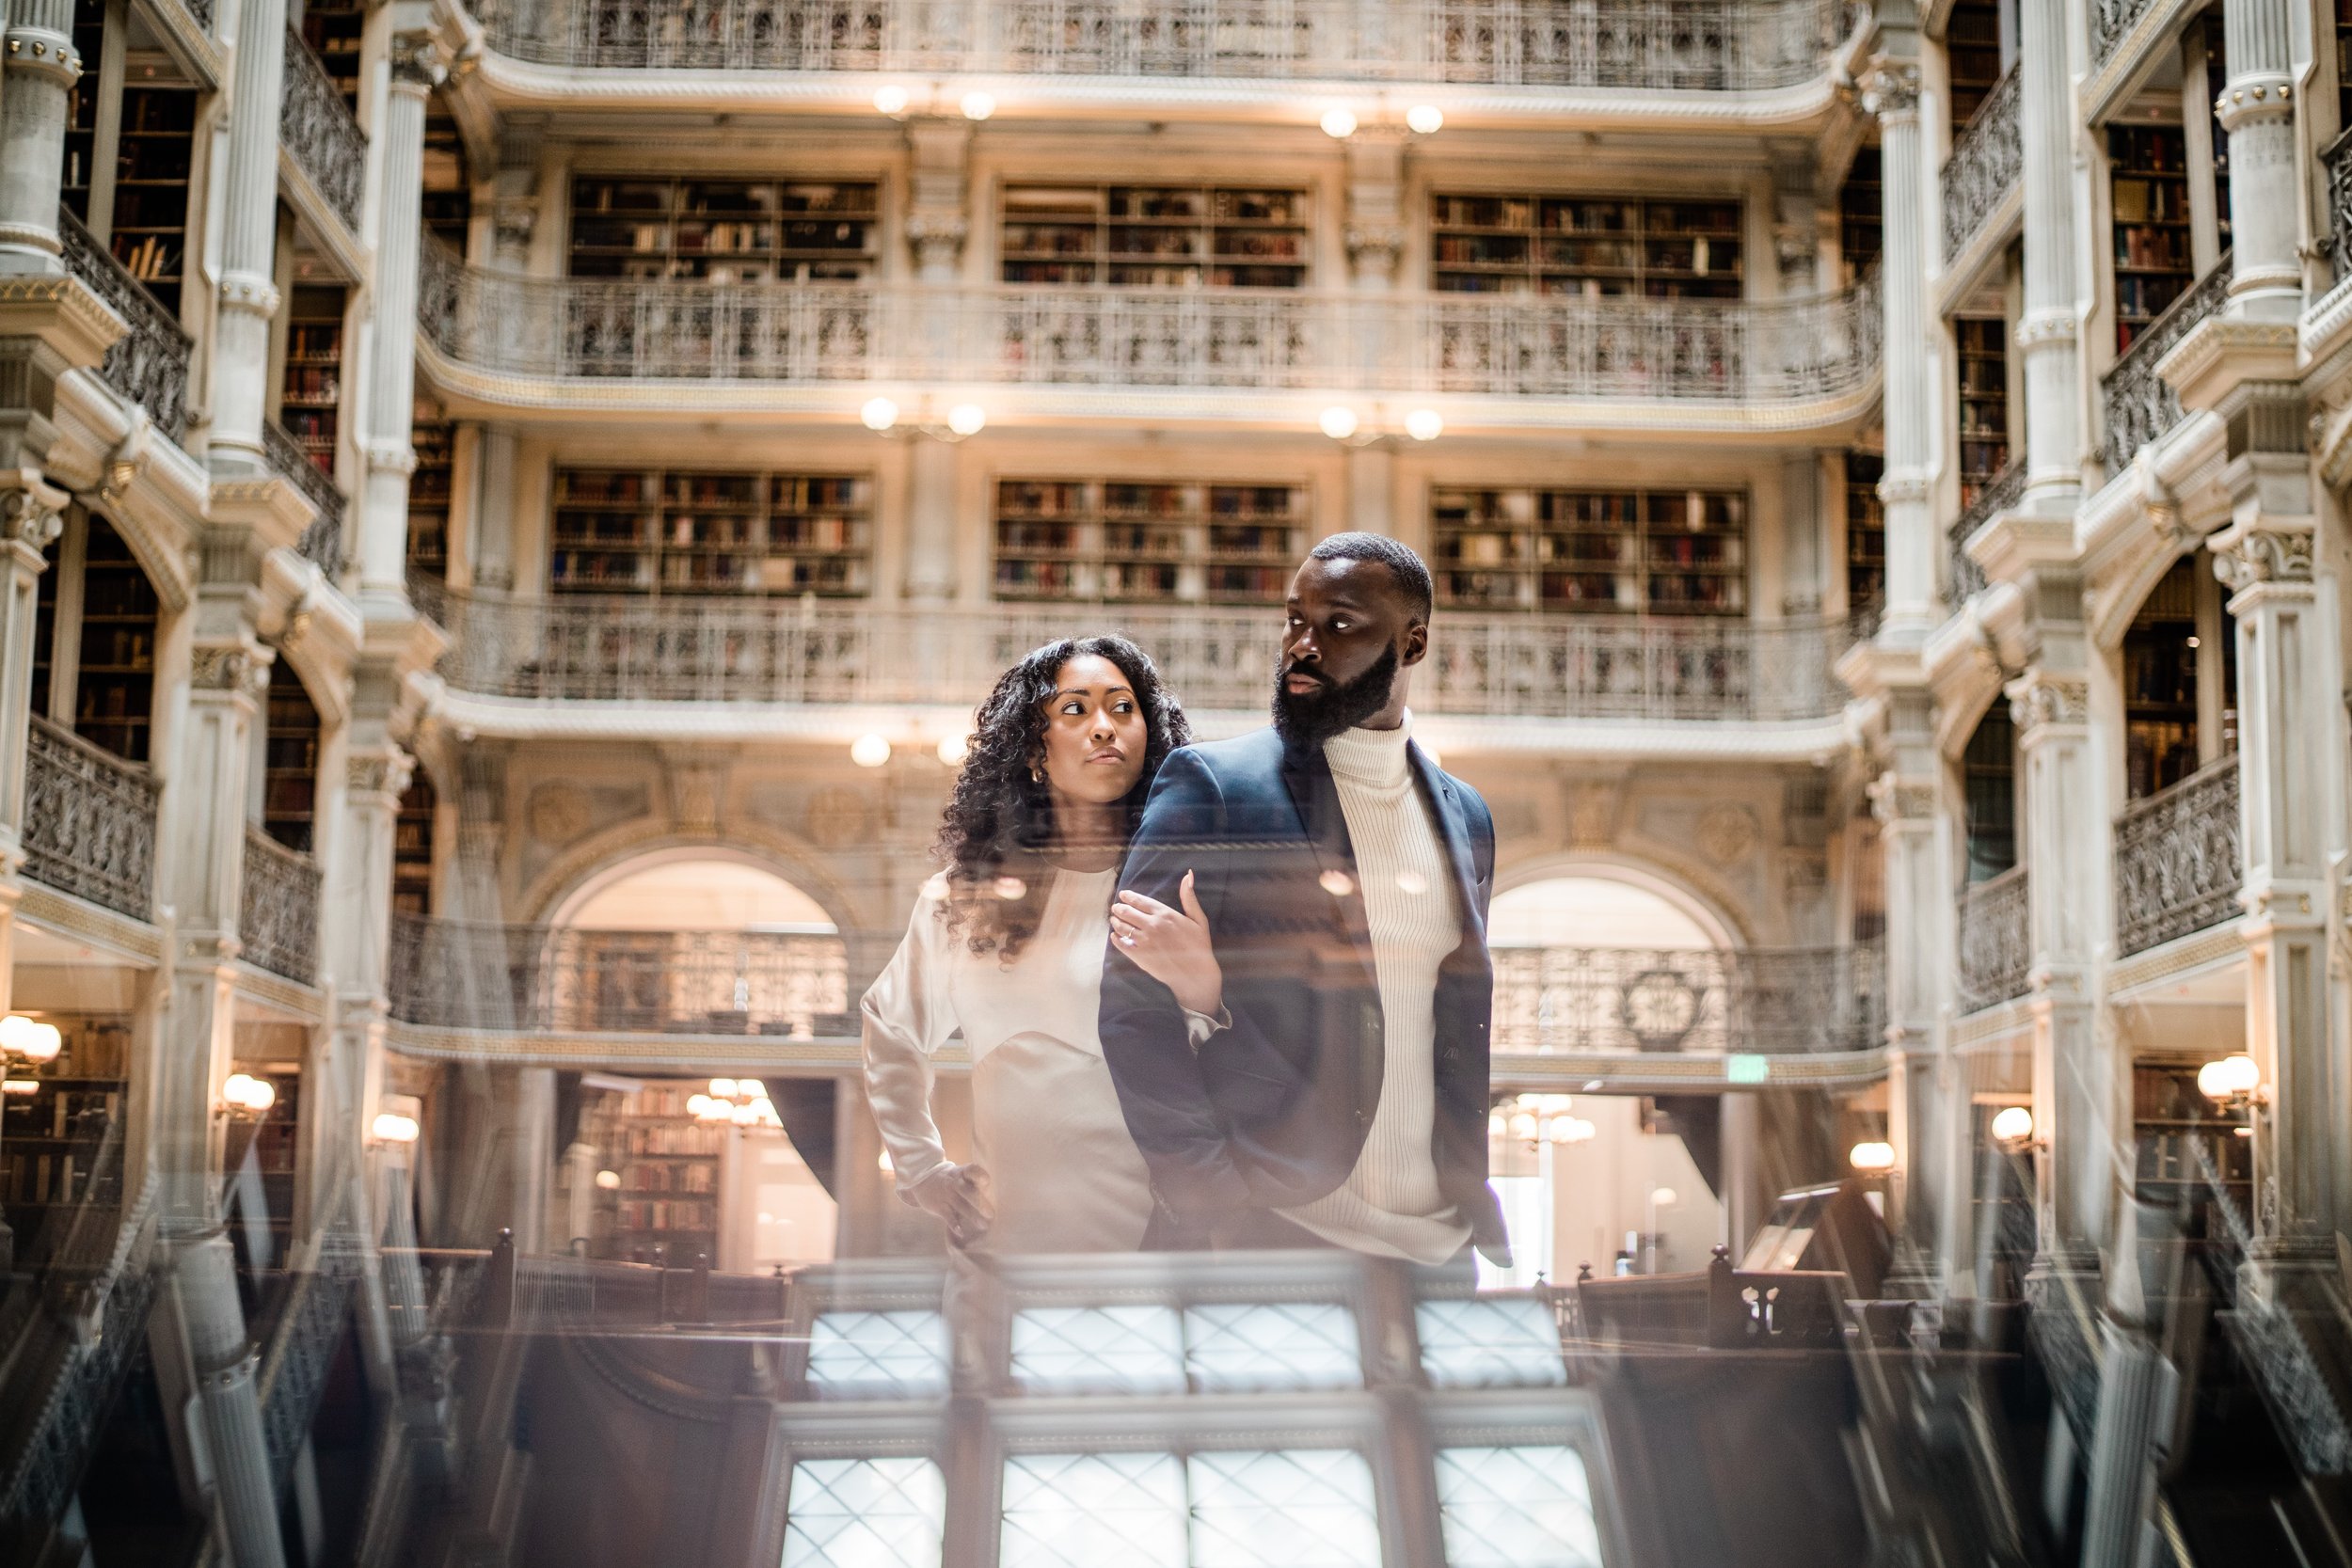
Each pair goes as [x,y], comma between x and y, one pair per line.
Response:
[279,919]
[2338,162]
[1984,166]
[1964,577]
[1516,1507]
[2140,406]
[1691,1001]
[2178,858]
[1490,1341]
[881,1513]
[1098,1350]
[1081,1510]
[1282,1507]
[315,125]
[322,542]
[295,1371]
[89,821]
[149,364]
[1996,941]
[2109,21]
[202,12]
[1239,1347]
[900,1355]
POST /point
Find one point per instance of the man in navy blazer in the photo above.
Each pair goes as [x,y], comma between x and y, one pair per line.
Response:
[1344,877]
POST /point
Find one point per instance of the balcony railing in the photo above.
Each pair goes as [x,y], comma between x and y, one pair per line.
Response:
[2109,21]
[89,821]
[1552,1001]
[315,125]
[619,648]
[1616,348]
[1669,45]
[149,364]
[1984,165]
[2337,159]
[2178,863]
[302,1349]
[533,978]
[1996,941]
[280,917]
[2141,407]
[322,542]
[1964,578]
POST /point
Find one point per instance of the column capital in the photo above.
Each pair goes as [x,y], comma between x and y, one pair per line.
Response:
[418,66]
[248,293]
[32,513]
[1897,799]
[2265,552]
[230,670]
[2254,97]
[35,51]
[937,237]
[1890,90]
[383,772]
[2041,700]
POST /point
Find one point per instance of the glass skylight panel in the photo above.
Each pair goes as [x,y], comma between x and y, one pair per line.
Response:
[1490,1341]
[1086,1510]
[879,1355]
[864,1513]
[1238,1347]
[1293,1508]
[1516,1507]
[1098,1350]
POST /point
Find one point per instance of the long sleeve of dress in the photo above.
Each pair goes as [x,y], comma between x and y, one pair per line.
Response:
[908,1016]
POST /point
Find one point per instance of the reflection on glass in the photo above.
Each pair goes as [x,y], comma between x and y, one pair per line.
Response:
[877,1355]
[1516,1507]
[864,1513]
[1494,1341]
[1098,1350]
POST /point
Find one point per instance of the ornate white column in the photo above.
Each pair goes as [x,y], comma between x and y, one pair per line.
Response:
[2047,333]
[1919,898]
[1891,91]
[2256,109]
[38,69]
[937,221]
[223,1359]
[248,288]
[391,393]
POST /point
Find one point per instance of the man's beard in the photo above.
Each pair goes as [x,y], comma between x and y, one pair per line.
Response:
[1310,718]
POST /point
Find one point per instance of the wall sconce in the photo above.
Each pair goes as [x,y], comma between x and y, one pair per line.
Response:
[743,1101]
[1338,122]
[400,1121]
[2233,1083]
[1424,119]
[881,416]
[1540,1118]
[1874,1157]
[891,100]
[2013,1128]
[241,1094]
[1345,426]
[608,1180]
[871,750]
[30,1040]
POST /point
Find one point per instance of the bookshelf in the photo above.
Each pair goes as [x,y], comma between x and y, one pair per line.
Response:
[1988,770]
[1553,244]
[412,846]
[312,393]
[2151,252]
[289,766]
[2171,1119]
[1865,531]
[448,186]
[1983,344]
[1140,541]
[432,438]
[684,532]
[83,108]
[2160,685]
[1154,236]
[1667,552]
[2216,72]
[51,1140]
[332,28]
[724,231]
[275,1143]
[114,678]
[151,165]
[667,1206]
[1861,215]
[2343,67]
[1972,45]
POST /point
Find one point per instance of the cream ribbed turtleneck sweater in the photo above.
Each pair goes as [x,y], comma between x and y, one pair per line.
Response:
[1390,1205]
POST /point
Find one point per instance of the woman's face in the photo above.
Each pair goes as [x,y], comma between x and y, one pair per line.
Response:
[1095,733]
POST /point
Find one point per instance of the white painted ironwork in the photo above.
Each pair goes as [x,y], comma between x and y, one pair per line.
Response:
[149,364]
[316,126]
[2140,406]
[1987,159]
[89,821]
[2178,858]
[1996,941]
[322,542]
[278,920]
[1554,1001]
[2109,21]
[1963,578]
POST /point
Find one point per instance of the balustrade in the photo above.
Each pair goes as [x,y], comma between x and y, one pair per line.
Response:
[316,127]
[89,821]
[1996,941]
[1667,45]
[2178,865]
[1964,578]
[2140,406]
[280,918]
[149,364]
[309,1331]
[2337,160]
[322,542]
[1984,166]
[2110,20]
[1551,1001]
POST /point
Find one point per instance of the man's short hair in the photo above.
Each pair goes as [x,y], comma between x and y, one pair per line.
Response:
[1411,572]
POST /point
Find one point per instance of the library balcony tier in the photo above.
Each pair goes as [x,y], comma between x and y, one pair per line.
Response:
[89,821]
[1996,947]
[721,1001]
[149,364]
[692,348]
[280,909]
[2178,858]
[1513,55]
[1982,175]
[2141,407]
[318,135]
[322,542]
[2337,160]
[1964,577]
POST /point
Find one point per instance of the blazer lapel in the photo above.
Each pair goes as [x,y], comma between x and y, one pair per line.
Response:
[1445,809]
[1307,778]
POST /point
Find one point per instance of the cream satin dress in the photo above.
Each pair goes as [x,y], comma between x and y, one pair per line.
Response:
[1064,1172]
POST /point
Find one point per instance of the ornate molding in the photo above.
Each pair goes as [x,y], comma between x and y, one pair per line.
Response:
[416,62]
[379,772]
[32,511]
[40,51]
[2262,556]
[1890,90]
[231,668]
[2040,698]
[2043,327]
[248,293]
[2250,100]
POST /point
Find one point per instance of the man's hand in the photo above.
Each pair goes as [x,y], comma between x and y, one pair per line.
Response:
[958,1195]
[1171,945]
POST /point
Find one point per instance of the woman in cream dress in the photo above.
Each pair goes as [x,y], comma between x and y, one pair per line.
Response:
[1006,946]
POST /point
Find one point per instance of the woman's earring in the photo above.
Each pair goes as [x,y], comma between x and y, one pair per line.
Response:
[1037,775]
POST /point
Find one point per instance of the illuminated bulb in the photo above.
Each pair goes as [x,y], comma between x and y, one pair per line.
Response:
[744,1116]
[698,1104]
[887,1168]
[879,413]
[609,1180]
[1554,1104]
[1580,1131]
[967,418]
[891,100]
[1872,1156]
[1010,888]
[31,1038]
[979,105]
[1425,119]
[20,1086]
[2228,1076]
[1424,425]
[1338,421]
[869,750]
[1561,1132]
[245,1092]
[1498,1125]
[953,749]
[1338,124]
[721,1088]
[1531,1100]
[1339,884]
[1523,1126]
[751,1089]
[1664,1197]
[2012,1124]
[392,1127]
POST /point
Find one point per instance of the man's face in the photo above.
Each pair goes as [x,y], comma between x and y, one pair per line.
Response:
[1347,634]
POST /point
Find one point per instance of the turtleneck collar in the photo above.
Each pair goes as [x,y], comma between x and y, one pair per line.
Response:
[1374,758]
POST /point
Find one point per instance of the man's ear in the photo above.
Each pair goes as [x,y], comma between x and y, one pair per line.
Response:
[1416,644]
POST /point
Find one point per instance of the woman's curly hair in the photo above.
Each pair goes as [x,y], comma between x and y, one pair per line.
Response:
[1000,820]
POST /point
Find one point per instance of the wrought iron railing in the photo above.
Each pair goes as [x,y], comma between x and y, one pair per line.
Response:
[2337,160]
[2109,21]
[457,975]
[1696,1002]
[278,920]
[293,1370]
[149,364]
[620,649]
[316,127]
[2178,858]
[89,821]
[1678,45]
[2140,406]
[1996,941]
[1984,165]
[1964,577]
[322,542]
[1615,348]
[201,11]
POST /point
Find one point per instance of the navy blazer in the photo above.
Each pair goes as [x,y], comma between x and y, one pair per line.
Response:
[1273,1111]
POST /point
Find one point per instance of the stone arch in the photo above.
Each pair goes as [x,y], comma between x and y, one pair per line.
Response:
[785,893]
[601,858]
[1712,915]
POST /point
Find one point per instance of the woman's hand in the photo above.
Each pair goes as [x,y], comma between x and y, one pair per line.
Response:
[958,1195]
[1172,946]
